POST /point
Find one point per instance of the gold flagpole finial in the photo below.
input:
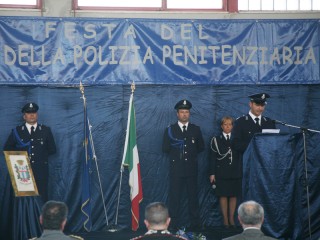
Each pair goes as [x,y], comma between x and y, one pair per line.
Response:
[133,87]
[81,88]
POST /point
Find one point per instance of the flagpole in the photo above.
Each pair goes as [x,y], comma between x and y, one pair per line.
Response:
[84,116]
[114,229]
[85,207]
[98,172]
[93,151]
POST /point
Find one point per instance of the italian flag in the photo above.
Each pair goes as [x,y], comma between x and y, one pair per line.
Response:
[131,160]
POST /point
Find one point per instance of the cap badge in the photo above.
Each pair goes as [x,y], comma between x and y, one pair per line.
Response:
[31,105]
[184,102]
[263,96]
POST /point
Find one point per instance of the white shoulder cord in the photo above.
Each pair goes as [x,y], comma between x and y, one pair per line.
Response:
[218,151]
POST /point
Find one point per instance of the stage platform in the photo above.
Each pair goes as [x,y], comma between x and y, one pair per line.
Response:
[211,233]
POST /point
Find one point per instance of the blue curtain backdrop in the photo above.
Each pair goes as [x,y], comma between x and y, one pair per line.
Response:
[62,110]
[215,64]
[275,176]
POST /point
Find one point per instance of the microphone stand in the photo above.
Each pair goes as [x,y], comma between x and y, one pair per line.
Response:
[303,130]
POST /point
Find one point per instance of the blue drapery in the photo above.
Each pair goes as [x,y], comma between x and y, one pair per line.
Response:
[274,175]
[39,63]
[62,110]
[19,215]
[65,51]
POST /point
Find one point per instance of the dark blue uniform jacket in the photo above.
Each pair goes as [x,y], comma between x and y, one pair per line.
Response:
[182,149]
[245,128]
[39,147]
[227,164]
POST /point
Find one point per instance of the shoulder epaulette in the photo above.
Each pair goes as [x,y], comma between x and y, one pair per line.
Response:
[242,116]
[76,237]
[137,238]
[41,126]
[181,237]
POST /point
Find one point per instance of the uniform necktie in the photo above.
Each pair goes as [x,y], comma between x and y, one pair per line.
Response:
[228,138]
[184,129]
[32,130]
[257,121]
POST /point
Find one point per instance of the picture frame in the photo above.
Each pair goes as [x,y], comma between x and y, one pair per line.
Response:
[21,174]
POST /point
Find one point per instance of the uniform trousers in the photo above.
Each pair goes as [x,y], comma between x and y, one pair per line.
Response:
[177,185]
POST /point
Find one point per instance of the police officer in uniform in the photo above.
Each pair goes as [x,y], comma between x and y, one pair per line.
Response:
[183,141]
[38,141]
[246,126]
[225,169]
[157,221]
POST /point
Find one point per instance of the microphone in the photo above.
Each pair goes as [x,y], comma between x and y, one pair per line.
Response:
[278,122]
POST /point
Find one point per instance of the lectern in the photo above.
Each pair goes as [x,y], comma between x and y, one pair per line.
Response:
[271,177]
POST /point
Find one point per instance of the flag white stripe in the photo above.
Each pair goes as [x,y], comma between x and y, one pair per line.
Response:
[134,176]
[127,135]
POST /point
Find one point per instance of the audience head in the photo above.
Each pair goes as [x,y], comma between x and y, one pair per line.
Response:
[54,215]
[251,214]
[157,216]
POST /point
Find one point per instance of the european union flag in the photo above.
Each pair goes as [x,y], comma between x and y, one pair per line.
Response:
[86,175]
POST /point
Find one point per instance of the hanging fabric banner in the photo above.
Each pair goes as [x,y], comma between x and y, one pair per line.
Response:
[63,51]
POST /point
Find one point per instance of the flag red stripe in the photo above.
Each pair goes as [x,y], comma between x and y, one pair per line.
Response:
[135,203]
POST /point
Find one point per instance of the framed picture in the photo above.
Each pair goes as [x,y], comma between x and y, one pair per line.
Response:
[20,172]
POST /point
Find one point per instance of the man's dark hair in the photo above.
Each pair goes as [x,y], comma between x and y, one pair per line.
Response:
[156,213]
[251,213]
[53,214]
